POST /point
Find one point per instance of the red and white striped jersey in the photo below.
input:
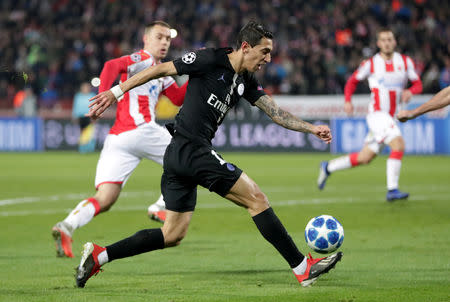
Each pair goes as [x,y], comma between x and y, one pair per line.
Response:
[387,80]
[137,106]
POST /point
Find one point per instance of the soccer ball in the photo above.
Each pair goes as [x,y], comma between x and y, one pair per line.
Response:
[324,234]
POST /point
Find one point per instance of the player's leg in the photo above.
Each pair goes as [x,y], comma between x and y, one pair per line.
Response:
[94,256]
[363,157]
[153,148]
[379,124]
[114,167]
[181,198]
[232,183]
[386,132]
[393,167]
[246,193]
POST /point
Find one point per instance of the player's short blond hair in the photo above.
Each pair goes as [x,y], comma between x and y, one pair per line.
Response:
[384,30]
[149,27]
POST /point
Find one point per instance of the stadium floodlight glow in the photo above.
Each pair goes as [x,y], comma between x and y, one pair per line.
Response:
[95,82]
[173,33]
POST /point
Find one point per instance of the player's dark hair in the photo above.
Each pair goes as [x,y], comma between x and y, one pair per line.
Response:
[157,22]
[252,33]
[384,30]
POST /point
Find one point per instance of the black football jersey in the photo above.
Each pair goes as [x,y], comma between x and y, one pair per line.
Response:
[214,87]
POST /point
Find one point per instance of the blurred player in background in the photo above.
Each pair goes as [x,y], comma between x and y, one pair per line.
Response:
[218,79]
[440,100]
[388,73]
[79,109]
[134,135]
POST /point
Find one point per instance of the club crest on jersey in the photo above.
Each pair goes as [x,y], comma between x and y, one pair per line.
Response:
[153,90]
[189,58]
[135,57]
[240,89]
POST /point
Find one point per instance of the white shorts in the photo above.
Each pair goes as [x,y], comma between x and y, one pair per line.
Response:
[122,153]
[382,130]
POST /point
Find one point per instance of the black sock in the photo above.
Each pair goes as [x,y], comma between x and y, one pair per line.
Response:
[273,231]
[141,242]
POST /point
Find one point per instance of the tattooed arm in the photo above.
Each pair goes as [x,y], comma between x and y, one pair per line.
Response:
[289,121]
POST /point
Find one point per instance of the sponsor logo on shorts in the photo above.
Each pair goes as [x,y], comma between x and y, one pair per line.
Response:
[231,167]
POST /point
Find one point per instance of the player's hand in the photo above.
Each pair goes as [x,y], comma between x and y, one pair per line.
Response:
[405,115]
[348,108]
[323,132]
[100,103]
[406,96]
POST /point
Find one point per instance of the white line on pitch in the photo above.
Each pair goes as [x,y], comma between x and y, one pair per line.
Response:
[267,189]
[226,204]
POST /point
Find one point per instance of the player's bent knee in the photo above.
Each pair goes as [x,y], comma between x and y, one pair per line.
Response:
[105,205]
[107,195]
[397,145]
[173,234]
[398,149]
[259,202]
[365,160]
[261,199]
[171,240]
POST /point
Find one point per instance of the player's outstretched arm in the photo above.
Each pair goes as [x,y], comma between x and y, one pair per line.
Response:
[289,121]
[104,100]
[440,100]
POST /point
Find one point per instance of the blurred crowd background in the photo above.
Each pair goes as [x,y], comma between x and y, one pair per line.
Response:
[50,47]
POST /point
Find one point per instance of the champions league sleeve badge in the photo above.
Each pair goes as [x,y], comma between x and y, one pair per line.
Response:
[135,57]
[189,58]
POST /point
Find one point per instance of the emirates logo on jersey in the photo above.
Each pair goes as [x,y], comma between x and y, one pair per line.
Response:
[189,58]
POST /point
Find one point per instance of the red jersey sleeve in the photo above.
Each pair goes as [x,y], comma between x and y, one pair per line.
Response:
[364,70]
[350,87]
[110,72]
[416,83]
[175,93]
[416,86]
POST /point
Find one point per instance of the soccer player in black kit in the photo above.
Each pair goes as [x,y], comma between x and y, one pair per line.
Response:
[218,79]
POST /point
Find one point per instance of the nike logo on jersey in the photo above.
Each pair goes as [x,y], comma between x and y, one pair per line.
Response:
[222,78]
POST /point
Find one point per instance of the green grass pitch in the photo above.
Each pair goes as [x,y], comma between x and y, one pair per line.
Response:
[392,252]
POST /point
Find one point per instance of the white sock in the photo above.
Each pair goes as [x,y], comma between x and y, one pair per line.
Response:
[160,202]
[339,163]
[301,268]
[81,215]
[103,257]
[393,167]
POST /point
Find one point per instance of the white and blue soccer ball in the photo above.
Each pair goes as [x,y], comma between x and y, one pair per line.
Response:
[324,234]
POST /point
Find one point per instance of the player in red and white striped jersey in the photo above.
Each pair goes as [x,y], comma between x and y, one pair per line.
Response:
[388,73]
[134,135]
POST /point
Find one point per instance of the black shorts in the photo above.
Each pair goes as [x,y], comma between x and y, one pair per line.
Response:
[188,164]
